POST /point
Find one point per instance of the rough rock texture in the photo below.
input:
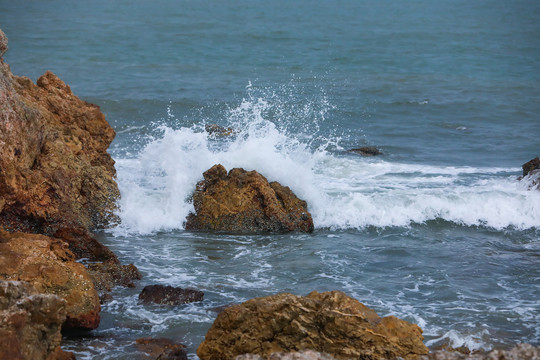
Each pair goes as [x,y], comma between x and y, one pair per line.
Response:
[30,323]
[162,349]
[366,151]
[529,166]
[3,43]
[109,274]
[218,131]
[55,171]
[329,322]
[519,352]
[301,355]
[244,201]
[531,173]
[168,295]
[50,267]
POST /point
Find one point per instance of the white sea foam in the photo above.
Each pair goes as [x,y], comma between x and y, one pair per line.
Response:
[342,190]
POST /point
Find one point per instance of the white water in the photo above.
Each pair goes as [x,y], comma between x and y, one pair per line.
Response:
[342,190]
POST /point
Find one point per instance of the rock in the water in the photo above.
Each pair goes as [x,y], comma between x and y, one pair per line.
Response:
[329,322]
[531,173]
[219,131]
[168,295]
[244,201]
[519,352]
[30,323]
[162,348]
[55,169]
[299,355]
[49,266]
[529,166]
[366,151]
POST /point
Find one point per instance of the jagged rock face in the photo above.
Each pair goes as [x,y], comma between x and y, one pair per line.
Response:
[49,266]
[30,323]
[55,171]
[531,173]
[329,322]
[244,201]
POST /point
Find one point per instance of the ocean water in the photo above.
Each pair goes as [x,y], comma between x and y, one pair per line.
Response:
[436,231]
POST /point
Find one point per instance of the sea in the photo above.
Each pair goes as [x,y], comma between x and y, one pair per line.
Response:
[437,230]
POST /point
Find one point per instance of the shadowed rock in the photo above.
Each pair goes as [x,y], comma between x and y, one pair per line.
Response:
[531,173]
[529,166]
[168,295]
[519,352]
[366,151]
[162,348]
[243,201]
[329,322]
[30,323]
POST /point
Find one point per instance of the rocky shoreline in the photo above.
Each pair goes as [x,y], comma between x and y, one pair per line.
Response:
[57,186]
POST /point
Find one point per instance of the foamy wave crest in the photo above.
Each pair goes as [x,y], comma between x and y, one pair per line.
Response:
[342,190]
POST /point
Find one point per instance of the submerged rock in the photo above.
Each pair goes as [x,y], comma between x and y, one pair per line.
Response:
[30,323]
[162,348]
[243,201]
[49,266]
[329,322]
[366,151]
[55,169]
[168,295]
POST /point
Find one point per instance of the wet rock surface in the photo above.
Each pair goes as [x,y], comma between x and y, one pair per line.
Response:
[329,322]
[245,202]
[162,349]
[531,173]
[366,151]
[168,295]
[49,266]
[30,323]
[300,355]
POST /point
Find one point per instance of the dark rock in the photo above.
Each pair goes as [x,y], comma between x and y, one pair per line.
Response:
[243,201]
[530,166]
[329,322]
[219,131]
[30,323]
[162,348]
[168,295]
[366,151]
[109,274]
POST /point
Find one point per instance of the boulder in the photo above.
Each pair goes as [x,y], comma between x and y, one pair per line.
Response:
[168,295]
[529,166]
[243,201]
[55,171]
[30,323]
[366,151]
[218,131]
[48,265]
[329,322]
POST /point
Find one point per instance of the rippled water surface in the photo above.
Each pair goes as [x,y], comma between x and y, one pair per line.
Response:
[436,231]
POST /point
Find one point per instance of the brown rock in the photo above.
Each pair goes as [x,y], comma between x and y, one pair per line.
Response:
[50,267]
[519,352]
[30,323]
[366,151]
[329,322]
[55,169]
[168,295]
[244,201]
[162,348]
[3,43]
[218,131]
[301,355]
[109,274]
[531,165]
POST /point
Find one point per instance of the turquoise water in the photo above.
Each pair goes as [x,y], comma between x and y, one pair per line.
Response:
[436,231]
